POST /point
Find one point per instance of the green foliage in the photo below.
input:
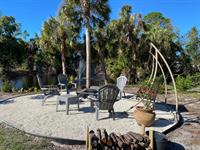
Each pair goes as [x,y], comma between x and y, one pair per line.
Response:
[44,61]
[161,32]
[58,34]
[115,67]
[157,86]
[78,11]
[7,86]
[193,48]
[196,78]
[144,83]
[30,89]
[12,48]
[124,35]
[157,18]
[147,94]
[184,83]
[121,46]
[71,79]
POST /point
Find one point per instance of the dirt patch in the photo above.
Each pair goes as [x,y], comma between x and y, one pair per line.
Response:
[187,134]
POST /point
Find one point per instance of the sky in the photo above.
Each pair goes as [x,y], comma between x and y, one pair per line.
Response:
[31,14]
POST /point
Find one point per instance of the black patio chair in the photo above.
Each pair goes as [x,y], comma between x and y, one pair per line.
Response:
[62,82]
[107,96]
[64,85]
[48,90]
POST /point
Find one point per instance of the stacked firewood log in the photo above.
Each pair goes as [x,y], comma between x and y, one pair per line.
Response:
[129,141]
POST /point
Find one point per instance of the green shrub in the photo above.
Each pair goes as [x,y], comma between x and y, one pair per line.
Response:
[196,78]
[7,86]
[159,84]
[30,89]
[71,79]
[115,67]
[184,83]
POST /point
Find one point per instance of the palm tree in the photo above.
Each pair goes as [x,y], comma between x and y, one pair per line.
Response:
[58,32]
[90,13]
[160,32]
[53,33]
[127,31]
[193,47]
[100,41]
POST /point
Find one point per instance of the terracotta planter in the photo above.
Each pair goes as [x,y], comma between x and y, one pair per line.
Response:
[144,117]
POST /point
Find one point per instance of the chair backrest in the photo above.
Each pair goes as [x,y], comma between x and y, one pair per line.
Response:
[107,96]
[62,79]
[121,82]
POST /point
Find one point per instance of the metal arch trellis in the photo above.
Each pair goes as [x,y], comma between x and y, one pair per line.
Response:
[154,72]
[164,77]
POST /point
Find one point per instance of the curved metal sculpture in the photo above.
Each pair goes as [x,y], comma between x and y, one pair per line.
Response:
[154,72]
[164,77]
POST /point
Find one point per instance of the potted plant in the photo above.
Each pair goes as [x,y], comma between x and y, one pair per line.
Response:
[144,115]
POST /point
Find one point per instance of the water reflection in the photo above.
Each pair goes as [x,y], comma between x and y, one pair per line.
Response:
[27,81]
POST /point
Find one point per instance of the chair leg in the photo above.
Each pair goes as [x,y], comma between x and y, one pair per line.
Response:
[57,103]
[97,113]
[44,99]
[67,107]
[67,89]
[109,113]
[124,94]
[78,103]
[92,104]
[113,114]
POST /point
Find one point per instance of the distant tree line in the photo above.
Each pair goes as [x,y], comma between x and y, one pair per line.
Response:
[119,46]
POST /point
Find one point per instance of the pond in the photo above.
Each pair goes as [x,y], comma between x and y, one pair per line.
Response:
[27,81]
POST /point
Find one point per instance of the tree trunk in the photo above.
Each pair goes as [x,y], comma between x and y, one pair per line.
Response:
[103,65]
[63,58]
[88,57]
[132,73]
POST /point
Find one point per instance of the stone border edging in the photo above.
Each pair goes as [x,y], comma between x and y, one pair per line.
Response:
[177,124]
[177,120]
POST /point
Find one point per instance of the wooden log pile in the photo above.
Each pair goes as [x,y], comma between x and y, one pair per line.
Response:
[129,141]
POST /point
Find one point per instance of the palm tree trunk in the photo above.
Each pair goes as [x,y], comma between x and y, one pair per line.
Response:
[132,73]
[63,59]
[88,57]
[85,4]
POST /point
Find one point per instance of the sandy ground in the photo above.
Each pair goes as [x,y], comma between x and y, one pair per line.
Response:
[185,136]
[27,113]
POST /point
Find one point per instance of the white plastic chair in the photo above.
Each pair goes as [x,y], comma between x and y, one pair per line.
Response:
[121,83]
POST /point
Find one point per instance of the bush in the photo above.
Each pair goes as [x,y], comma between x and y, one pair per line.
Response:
[196,78]
[158,84]
[184,83]
[115,67]
[7,86]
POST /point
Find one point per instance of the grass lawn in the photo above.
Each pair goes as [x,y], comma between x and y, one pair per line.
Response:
[13,139]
